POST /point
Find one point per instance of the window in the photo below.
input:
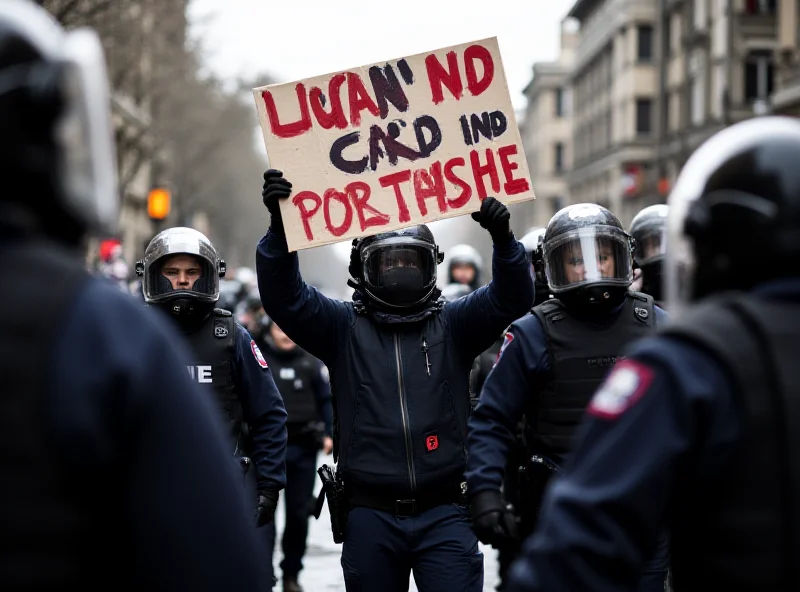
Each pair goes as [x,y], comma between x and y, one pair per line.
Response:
[559,99]
[760,6]
[700,14]
[645,47]
[759,75]
[644,117]
[558,158]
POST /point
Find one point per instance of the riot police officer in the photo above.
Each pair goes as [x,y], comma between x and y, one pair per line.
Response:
[552,360]
[303,381]
[703,418]
[111,464]
[464,266]
[648,229]
[399,359]
[180,275]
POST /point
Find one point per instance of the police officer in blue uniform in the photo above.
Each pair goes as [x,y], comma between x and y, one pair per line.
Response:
[399,361]
[303,381]
[698,427]
[114,469]
[551,362]
[648,229]
[180,275]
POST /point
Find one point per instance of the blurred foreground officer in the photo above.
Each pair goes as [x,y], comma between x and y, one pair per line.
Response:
[550,365]
[181,271]
[303,381]
[699,427]
[399,359]
[112,465]
[649,229]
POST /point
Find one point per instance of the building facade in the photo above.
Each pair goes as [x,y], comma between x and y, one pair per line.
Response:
[717,67]
[546,133]
[614,82]
[786,99]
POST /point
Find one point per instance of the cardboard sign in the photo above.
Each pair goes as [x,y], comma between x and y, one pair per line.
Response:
[394,144]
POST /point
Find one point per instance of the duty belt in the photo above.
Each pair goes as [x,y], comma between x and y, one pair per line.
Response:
[407,507]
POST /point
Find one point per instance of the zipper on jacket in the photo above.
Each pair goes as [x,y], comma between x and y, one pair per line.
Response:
[424,350]
[404,412]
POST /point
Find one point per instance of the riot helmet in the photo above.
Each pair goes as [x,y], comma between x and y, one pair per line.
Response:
[587,257]
[56,141]
[734,212]
[397,269]
[649,229]
[466,256]
[188,288]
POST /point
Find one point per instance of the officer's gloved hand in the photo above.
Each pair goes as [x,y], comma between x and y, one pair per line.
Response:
[494,217]
[493,519]
[275,189]
[265,508]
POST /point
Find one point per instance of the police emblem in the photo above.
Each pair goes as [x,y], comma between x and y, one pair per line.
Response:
[626,384]
[257,354]
[220,331]
[507,339]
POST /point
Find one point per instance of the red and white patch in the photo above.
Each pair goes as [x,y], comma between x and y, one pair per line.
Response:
[626,384]
[257,354]
[507,339]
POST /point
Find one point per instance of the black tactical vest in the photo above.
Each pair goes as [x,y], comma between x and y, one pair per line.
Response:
[294,375]
[49,522]
[581,354]
[739,528]
[214,348]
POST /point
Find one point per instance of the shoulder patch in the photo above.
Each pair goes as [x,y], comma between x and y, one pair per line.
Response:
[257,354]
[507,339]
[624,386]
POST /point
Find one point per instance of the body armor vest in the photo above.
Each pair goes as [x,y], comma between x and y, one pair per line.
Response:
[582,352]
[47,508]
[294,373]
[738,527]
[214,348]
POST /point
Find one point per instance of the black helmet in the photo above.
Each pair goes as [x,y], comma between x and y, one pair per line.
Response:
[190,302]
[56,143]
[465,255]
[734,213]
[587,257]
[532,241]
[397,269]
[648,229]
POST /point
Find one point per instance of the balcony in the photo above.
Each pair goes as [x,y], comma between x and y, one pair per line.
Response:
[761,24]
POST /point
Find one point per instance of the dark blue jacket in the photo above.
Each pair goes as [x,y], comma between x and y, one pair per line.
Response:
[523,367]
[121,400]
[263,410]
[401,390]
[648,438]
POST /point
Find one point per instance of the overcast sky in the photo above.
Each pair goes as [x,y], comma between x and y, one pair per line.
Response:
[293,39]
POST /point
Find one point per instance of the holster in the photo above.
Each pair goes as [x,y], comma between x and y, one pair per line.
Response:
[333,490]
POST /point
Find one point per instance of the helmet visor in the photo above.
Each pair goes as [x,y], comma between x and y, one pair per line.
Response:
[399,271]
[588,256]
[651,243]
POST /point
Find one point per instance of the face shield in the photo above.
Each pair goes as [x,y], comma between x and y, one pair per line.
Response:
[180,263]
[651,242]
[399,271]
[589,256]
[84,134]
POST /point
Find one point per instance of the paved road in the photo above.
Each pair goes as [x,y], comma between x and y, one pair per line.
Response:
[322,571]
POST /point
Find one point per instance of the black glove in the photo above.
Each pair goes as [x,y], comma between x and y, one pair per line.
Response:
[265,508]
[493,519]
[275,189]
[494,217]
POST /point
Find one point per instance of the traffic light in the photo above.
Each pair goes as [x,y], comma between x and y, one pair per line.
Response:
[159,202]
